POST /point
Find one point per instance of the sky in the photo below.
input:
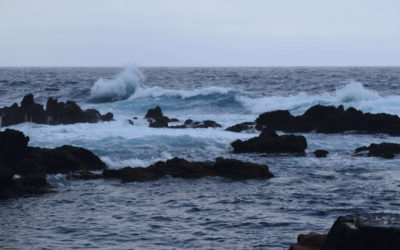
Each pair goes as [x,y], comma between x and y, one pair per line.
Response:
[200,32]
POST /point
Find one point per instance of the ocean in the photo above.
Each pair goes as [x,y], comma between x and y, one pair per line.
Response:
[307,194]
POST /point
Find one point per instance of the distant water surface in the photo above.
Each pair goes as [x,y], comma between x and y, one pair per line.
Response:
[306,195]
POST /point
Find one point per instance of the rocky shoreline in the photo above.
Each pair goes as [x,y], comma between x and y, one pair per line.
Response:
[23,169]
[374,231]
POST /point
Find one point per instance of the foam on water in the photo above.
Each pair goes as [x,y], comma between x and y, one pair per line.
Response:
[121,87]
[353,94]
[127,86]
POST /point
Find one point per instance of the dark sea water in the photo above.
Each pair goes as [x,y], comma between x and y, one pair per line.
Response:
[213,213]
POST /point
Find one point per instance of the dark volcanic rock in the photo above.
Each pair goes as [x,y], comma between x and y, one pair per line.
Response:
[84,175]
[384,149]
[329,119]
[154,113]
[13,145]
[269,142]
[32,163]
[25,160]
[195,124]
[245,126]
[55,113]
[24,186]
[311,241]
[180,168]
[157,119]
[68,158]
[365,232]
[320,153]
[70,112]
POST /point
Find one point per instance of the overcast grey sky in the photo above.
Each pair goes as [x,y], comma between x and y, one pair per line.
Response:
[199,33]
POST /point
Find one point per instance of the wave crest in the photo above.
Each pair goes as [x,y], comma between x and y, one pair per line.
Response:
[356,92]
[121,87]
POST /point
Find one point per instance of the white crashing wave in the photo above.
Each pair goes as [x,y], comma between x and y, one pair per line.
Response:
[119,88]
[128,84]
[356,92]
[353,94]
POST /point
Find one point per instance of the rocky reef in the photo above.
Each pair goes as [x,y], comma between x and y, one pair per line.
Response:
[23,169]
[55,113]
[270,142]
[156,119]
[329,119]
[384,149]
[181,168]
[369,231]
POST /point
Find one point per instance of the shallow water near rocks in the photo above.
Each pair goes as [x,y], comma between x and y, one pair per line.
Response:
[308,193]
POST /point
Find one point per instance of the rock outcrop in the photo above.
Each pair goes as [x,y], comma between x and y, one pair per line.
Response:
[329,119]
[245,126]
[156,119]
[55,113]
[384,149]
[32,164]
[311,241]
[196,124]
[365,232]
[320,153]
[181,168]
[369,231]
[269,142]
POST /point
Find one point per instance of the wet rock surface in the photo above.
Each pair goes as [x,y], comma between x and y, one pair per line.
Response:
[181,168]
[55,113]
[329,119]
[196,124]
[245,126]
[365,232]
[156,119]
[32,164]
[320,153]
[310,241]
[270,142]
[384,149]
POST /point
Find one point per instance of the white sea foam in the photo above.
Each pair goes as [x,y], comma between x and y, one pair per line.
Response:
[128,84]
[184,94]
[353,94]
[134,162]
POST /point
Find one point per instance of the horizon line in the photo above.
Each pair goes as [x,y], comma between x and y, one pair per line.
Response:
[199,66]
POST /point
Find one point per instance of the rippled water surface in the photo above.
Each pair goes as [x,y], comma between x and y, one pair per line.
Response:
[307,194]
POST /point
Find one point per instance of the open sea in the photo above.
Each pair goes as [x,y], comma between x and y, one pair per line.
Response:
[307,194]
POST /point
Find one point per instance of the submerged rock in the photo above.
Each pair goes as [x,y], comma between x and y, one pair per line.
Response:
[320,153]
[156,119]
[181,168]
[195,124]
[55,113]
[245,126]
[365,232]
[384,149]
[269,142]
[329,119]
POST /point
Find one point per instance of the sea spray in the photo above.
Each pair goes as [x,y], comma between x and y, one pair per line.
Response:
[121,87]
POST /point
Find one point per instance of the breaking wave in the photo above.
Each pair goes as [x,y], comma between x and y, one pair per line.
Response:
[128,86]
